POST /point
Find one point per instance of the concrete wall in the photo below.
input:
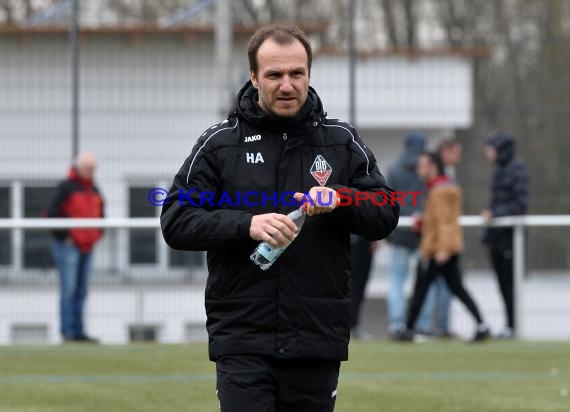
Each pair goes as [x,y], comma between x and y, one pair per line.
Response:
[30,315]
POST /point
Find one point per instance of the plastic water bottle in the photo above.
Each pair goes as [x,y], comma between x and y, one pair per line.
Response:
[264,254]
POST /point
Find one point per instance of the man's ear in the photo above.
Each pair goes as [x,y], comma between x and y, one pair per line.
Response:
[253,79]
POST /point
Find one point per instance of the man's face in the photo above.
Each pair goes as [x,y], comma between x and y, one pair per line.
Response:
[86,167]
[425,168]
[490,153]
[451,156]
[282,77]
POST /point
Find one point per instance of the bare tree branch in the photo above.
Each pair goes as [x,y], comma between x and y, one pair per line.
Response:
[449,21]
[28,9]
[411,22]
[390,21]
[272,10]
[6,6]
[251,11]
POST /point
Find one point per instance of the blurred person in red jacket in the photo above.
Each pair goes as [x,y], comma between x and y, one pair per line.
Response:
[75,197]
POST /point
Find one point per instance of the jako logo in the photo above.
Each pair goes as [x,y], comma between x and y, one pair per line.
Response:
[248,139]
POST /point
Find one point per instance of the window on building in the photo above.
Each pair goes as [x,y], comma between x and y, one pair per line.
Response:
[37,243]
[186,259]
[5,234]
[142,242]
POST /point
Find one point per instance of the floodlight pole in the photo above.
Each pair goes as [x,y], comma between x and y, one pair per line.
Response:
[351,64]
[223,43]
[74,50]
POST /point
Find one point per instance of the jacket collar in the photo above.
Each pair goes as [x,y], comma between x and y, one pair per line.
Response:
[246,107]
[437,181]
[74,175]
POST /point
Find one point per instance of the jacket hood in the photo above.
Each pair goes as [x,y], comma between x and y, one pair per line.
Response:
[247,108]
[504,144]
[414,145]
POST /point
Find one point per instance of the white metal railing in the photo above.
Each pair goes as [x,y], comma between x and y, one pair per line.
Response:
[154,222]
[107,223]
[517,222]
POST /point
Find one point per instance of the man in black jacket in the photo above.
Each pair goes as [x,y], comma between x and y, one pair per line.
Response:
[509,196]
[277,336]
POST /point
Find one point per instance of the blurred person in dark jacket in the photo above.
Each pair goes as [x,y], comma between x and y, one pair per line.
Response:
[509,196]
[75,197]
[404,241]
[362,255]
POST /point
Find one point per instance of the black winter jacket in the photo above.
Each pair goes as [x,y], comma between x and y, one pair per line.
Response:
[509,188]
[402,177]
[300,307]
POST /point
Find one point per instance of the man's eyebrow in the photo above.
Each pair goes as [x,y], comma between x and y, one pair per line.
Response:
[279,71]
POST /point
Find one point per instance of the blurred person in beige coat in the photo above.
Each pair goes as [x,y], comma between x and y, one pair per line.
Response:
[441,244]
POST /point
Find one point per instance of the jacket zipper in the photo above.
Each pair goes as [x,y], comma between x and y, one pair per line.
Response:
[284,137]
[278,274]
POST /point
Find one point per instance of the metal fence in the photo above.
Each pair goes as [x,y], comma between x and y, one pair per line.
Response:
[163,300]
[138,97]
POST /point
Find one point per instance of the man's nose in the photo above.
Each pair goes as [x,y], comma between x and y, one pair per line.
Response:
[286,85]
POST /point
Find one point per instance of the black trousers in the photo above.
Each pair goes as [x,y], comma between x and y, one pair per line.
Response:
[360,267]
[426,274]
[259,384]
[502,260]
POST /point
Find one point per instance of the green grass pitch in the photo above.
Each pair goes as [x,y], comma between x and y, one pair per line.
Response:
[380,376]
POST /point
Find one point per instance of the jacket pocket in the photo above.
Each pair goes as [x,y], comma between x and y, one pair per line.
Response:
[324,327]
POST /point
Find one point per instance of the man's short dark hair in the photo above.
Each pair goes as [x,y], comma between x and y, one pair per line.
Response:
[281,34]
[447,144]
[435,159]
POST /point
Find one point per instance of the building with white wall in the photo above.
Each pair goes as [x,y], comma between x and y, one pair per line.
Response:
[146,96]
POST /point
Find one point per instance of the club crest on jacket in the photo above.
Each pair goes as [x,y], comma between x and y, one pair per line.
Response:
[321,170]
